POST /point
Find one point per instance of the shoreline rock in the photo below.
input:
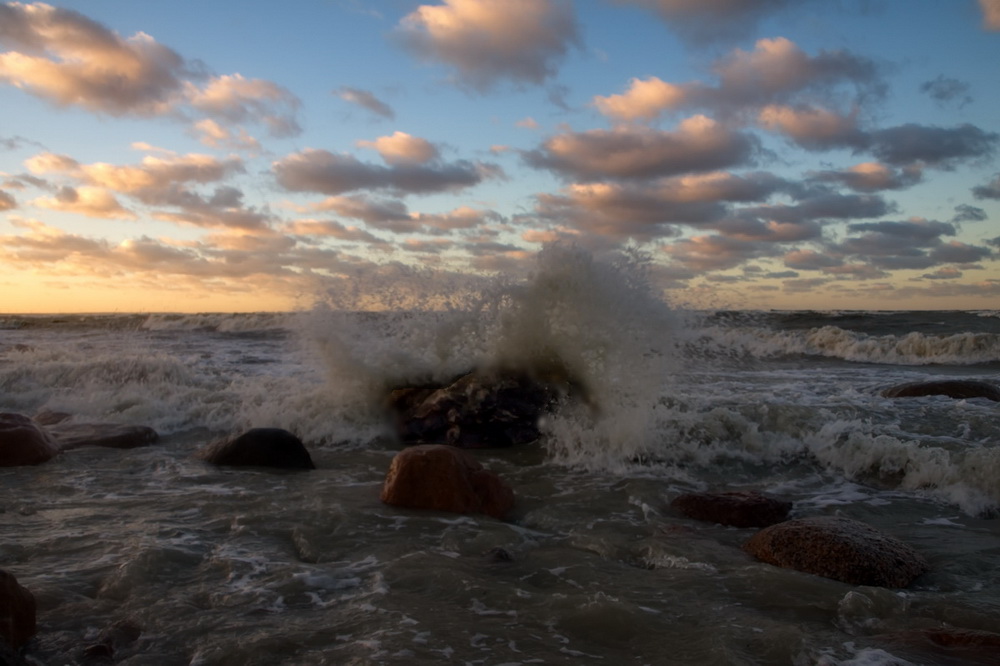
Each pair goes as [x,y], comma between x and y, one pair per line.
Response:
[260,447]
[24,442]
[961,389]
[18,611]
[736,509]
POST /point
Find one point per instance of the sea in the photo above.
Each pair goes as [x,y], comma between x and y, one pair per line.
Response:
[166,559]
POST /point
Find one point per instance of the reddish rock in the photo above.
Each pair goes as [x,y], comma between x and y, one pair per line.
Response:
[739,509]
[838,548]
[23,442]
[960,389]
[440,477]
[111,435]
[17,611]
[963,638]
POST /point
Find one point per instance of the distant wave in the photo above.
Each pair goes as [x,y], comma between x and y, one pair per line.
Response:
[833,342]
[218,322]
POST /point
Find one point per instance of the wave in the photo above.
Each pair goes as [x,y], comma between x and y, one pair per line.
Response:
[911,348]
[253,322]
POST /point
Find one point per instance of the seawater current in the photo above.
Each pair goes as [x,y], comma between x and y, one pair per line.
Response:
[248,566]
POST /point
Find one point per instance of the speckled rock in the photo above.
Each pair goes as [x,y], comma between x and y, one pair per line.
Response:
[738,509]
[839,548]
[443,478]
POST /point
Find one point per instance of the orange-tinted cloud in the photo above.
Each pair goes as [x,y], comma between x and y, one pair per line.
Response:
[991,14]
[89,201]
[402,148]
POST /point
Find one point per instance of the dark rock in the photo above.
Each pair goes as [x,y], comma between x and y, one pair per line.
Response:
[963,638]
[443,478]
[23,442]
[739,509]
[260,447]
[838,548]
[17,611]
[111,435]
[47,417]
[499,554]
[478,410]
[111,640]
[961,389]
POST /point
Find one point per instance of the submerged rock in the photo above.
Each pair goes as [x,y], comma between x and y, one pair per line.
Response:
[738,509]
[961,389]
[839,548]
[479,410]
[23,442]
[260,447]
[443,478]
[17,611]
[110,435]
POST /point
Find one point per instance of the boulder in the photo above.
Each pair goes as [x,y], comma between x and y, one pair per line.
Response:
[23,442]
[738,509]
[260,447]
[478,410]
[17,611]
[111,435]
[444,478]
[961,389]
[839,548]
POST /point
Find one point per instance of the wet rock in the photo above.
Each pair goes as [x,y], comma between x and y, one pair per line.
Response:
[499,554]
[23,442]
[479,410]
[738,509]
[17,611]
[960,389]
[839,548]
[112,640]
[47,417]
[443,478]
[260,447]
[111,435]
[964,638]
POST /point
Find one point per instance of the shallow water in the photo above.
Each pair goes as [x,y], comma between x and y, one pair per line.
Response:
[238,566]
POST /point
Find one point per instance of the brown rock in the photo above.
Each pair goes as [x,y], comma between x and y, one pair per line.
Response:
[260,447]
[960,389]
[838,548]
[17,611]
[435,476]
[963,638]
[111,435]
[22,442]
[739,509]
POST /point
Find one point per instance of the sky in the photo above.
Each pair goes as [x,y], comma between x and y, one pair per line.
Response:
[761,154]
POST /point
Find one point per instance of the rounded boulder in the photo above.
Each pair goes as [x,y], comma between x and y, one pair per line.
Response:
[737,509]
[839,548]
[17,611]
[23,442]
[260,447]
[444,478]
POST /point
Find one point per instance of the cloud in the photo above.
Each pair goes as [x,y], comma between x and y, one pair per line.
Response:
[323,172]
[955,252]
[913,244]
[487,41]
[365,100]
[810,260]
[70,60]
[824,206]
[967,213]
[332,229]
[813,128]
[400,148]
[214,135]
[934,146]
[89,201]
[775,73]
[990,190]
[947,91]
[700,21]
[714,253]
[698,144]
[948,273]
[872,177]
[7,201]
[156,175]
[991,14]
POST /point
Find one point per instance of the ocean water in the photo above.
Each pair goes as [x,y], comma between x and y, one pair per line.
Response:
[246,566]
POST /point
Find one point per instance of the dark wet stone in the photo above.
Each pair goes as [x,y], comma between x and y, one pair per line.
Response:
[110,435]
[738,509]
[111,641]
[17,611]
[478,410]
[960,389]
[499,554]
[444,478]
[839,548]
[260,447]
[23,442]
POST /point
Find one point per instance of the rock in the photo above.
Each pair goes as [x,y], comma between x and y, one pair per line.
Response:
[481,409]
[260,447]
[963,638]
[47,417]
[23,442]
[838,548]
[443,478]
[17,611]
[738,509]
[112,640]
[961,389]
[111,435]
